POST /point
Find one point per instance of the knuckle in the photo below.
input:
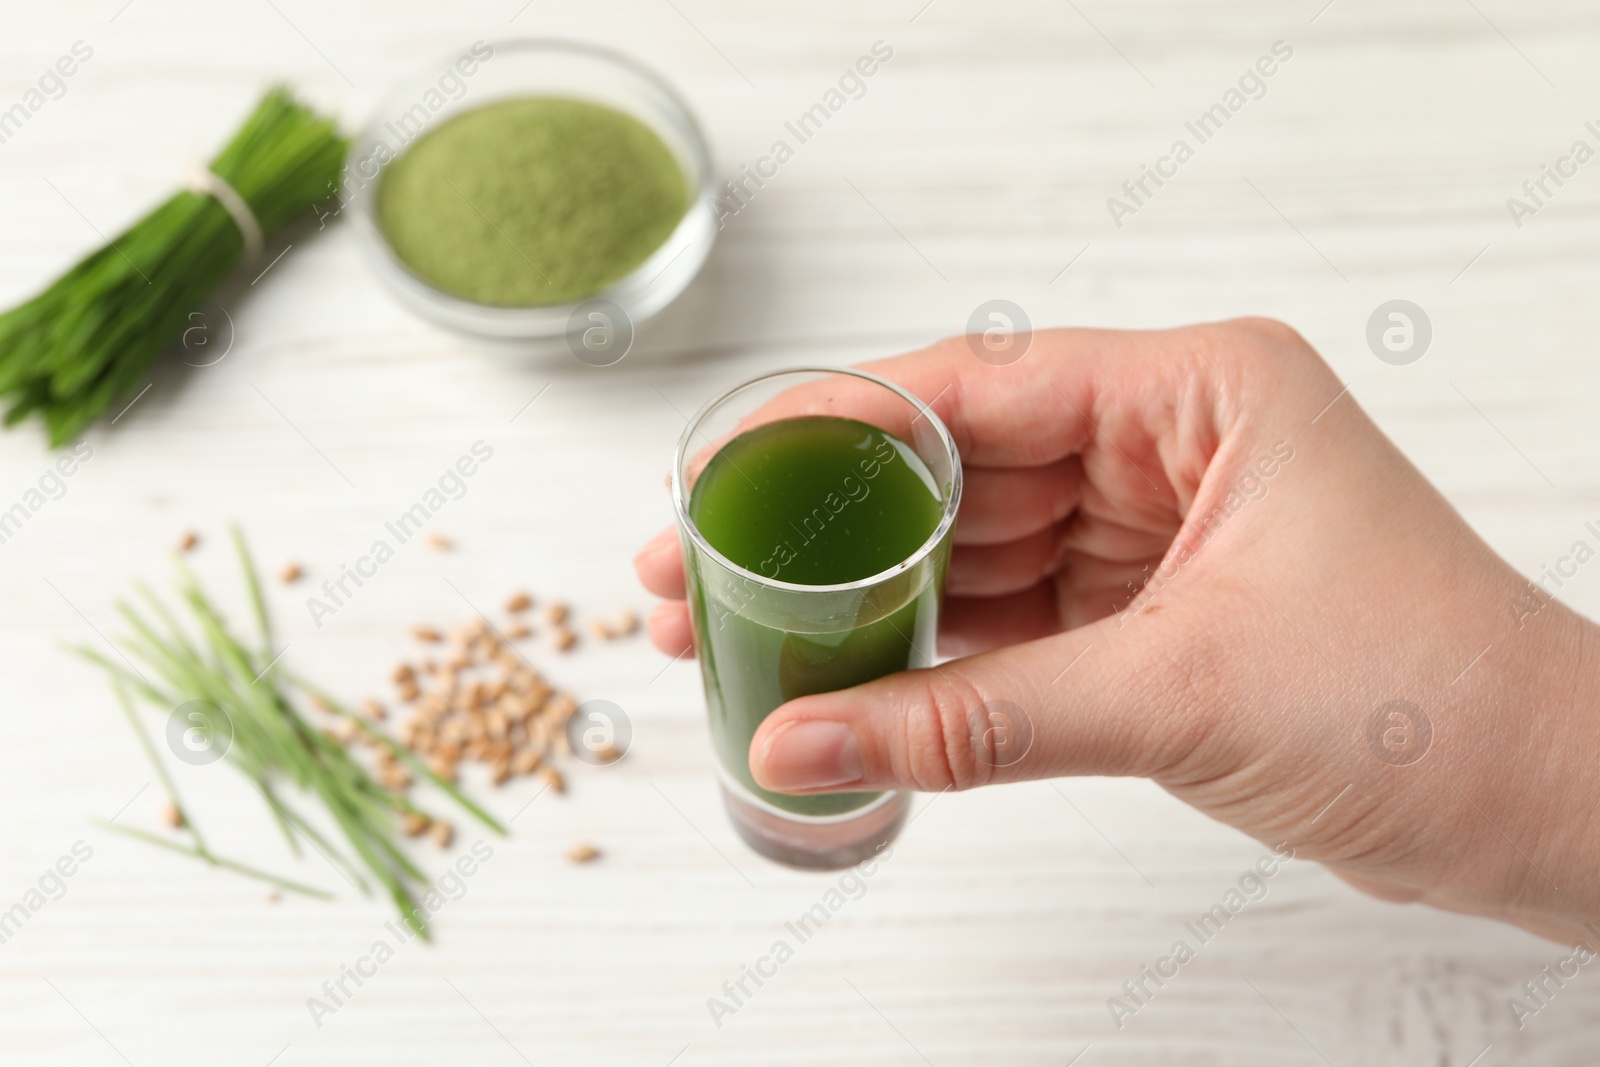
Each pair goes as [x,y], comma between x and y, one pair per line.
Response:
[1271,331]
[1265,360]
[1275,348]
[942,737]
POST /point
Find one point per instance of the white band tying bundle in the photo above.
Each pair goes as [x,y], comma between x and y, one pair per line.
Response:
[208,183]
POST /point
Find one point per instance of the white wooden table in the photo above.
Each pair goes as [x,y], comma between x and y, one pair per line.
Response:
[1377,166]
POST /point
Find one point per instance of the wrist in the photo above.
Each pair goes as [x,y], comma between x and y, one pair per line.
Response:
[1549,717]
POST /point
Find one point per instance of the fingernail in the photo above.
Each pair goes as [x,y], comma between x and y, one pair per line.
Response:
[811,754]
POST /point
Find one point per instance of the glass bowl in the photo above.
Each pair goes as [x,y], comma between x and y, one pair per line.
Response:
[483,73]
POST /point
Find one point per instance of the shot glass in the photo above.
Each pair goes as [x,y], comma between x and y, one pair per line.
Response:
[762,641]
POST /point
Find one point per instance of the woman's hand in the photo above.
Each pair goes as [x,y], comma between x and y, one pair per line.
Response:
[1188,555]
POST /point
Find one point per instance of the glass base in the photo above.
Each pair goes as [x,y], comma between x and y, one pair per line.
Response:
[817,845]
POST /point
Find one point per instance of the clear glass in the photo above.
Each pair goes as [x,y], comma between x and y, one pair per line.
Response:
[530,68]
[762,641]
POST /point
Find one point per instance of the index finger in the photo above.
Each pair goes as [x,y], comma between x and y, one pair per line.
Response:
[659,565]
[1051,404]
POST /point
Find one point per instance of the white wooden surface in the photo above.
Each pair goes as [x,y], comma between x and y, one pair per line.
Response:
[1381,159]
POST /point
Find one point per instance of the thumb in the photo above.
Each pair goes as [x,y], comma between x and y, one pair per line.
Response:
[1095,700]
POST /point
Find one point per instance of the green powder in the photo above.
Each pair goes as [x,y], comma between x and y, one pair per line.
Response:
[532,201]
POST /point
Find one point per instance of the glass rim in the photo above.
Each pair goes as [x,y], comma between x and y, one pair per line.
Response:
[947,516]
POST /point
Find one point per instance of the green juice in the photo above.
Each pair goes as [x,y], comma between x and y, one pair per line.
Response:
[811,501]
